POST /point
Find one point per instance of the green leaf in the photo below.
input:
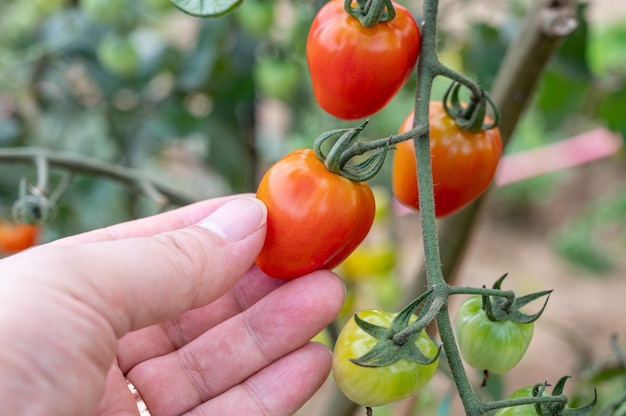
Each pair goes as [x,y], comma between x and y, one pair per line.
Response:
[206,8]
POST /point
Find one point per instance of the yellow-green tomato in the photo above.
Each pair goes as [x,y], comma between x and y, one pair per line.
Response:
[368,261]
[377,386]
[523,410]
[488,345]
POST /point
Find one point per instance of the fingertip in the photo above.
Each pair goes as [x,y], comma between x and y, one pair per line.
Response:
[237,218]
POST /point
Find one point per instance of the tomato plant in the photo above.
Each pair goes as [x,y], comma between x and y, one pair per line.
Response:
[315,218]
[356,70]
[377,386]
[16,237]
[463,163]
[496,346]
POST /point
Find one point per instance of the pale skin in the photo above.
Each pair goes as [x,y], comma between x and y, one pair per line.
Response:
[177,308]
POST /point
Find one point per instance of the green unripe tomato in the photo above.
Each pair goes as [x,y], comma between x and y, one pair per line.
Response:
[377,386]
[487,345]
[118,55]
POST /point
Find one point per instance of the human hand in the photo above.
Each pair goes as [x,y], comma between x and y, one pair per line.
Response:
[178,309]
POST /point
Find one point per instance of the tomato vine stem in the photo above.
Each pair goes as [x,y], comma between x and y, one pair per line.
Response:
[428,67]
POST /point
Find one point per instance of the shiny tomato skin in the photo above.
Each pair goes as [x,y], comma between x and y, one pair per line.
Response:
[315,218]
[378,386]
[16,237]
[356,70]
[487,345]
[463,163]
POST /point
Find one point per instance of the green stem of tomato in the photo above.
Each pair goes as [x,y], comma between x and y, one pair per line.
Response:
[462,290]
[428,67]
[499,404]
[371,12]
[403,336]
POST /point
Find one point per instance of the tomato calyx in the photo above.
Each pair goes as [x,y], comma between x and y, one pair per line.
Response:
[371,12]
[388,350]
[501,308]
[536,400]
[557,407]
[339,158]
[470,116]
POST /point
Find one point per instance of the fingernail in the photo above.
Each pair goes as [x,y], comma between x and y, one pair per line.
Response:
[236,219]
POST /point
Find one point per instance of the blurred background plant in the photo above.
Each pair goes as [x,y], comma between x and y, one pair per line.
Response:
[204,106]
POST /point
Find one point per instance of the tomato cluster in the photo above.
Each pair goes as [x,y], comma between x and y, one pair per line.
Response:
[317,217]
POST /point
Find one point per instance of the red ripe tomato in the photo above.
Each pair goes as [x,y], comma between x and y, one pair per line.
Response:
[463,163]
[16,237]
[356,70]
[315,218]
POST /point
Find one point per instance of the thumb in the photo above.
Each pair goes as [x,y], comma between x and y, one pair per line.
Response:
[138,282]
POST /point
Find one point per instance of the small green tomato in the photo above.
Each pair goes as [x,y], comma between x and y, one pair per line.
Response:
[377,386]
[487,345]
